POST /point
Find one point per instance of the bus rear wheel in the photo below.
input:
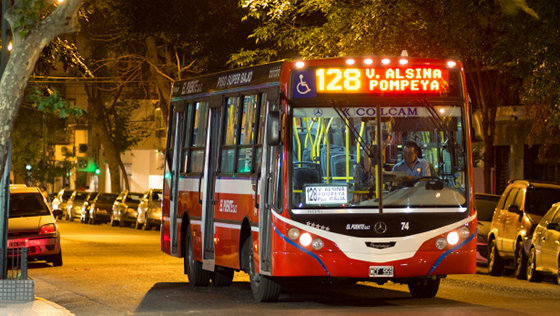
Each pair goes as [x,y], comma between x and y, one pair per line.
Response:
[424,288]
[197,275]
[264,288]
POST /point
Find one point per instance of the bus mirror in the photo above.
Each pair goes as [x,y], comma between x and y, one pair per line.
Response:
[273,128]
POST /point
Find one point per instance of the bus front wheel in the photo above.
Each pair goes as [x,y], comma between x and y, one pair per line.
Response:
[424,288]
[264,288]
[197,275]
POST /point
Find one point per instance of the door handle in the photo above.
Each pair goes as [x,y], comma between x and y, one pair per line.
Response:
[257,190]
[199,185]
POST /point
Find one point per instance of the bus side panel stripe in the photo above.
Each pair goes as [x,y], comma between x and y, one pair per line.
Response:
[314,256]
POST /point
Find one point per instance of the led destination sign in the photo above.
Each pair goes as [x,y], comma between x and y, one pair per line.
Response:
[307,83]
[381,80]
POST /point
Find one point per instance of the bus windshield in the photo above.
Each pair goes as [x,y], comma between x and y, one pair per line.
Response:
[413,161]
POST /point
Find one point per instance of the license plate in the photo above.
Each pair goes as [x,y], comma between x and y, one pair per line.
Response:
[381,271]
[20,243]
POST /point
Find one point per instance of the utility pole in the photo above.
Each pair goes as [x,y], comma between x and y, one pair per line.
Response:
[5,181]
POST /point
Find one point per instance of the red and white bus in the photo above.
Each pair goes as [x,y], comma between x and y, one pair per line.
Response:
[260,174]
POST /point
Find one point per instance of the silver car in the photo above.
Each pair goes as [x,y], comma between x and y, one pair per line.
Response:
[32,225]
[149,210]
[124,209]
[74,205]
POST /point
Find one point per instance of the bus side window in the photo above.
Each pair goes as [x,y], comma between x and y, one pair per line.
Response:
[187,127]
[198,137]
[248,134]
[259,118]
[229,136]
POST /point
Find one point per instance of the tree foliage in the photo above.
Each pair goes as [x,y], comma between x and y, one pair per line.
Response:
[506,46]
[33,27]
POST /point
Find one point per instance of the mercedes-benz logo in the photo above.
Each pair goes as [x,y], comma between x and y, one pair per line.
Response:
[318,112]
[380,227]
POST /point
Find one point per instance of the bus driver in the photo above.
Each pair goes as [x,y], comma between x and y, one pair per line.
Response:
[414,166]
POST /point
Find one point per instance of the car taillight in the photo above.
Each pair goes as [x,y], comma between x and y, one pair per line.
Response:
[48,229]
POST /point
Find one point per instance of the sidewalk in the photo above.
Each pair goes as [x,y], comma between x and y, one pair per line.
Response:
[38,307]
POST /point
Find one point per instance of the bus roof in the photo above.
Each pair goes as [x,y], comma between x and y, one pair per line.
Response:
[261,76]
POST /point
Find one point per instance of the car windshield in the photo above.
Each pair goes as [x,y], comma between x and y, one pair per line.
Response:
[27,205]
[156,196]
[336,158]
[66,195]
[485,206]
[106,198]
[133,198]
[539,200]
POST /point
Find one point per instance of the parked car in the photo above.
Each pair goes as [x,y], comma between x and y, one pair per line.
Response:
[101,208]
[544,257]
[32,224]
[484,204]
[521,207]
[74,205]
[149,210]
[59,202]
[84,218]
[125,207]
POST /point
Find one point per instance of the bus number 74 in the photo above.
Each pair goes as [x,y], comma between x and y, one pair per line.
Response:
[405,225]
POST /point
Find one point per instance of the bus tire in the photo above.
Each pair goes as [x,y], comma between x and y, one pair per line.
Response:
[424,288]
[264,288]
[495,262]
[222,276]
[197,276]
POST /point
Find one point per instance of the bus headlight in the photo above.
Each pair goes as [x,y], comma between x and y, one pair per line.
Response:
[452,238]
[305,239]
[293,233]
[441,243]
[317,244]
[464,232]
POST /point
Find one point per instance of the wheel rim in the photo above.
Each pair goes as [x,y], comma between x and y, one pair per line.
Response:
[254,277]
[190,254]
[491,257]
[518,260]
[531,264]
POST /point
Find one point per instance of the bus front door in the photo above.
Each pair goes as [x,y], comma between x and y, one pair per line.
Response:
[209,182]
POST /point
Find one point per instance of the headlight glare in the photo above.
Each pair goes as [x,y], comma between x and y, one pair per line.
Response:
[453,238]
[305,239]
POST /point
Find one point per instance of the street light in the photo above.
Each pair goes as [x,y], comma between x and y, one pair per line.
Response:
[28,167]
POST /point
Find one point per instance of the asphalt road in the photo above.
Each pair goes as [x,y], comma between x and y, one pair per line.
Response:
[121,271]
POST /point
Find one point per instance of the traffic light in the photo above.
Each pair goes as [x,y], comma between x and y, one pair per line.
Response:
[28,167]
[97,171]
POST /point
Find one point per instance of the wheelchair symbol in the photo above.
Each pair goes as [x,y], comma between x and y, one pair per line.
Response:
[302,87]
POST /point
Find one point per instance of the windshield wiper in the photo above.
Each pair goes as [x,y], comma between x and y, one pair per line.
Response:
[440,125]
[352,128]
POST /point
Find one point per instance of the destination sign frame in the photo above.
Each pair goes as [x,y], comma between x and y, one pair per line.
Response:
[397,81]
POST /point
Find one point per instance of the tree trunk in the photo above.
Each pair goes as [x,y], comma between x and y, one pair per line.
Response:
[101,126]
[21,63]
[163,84]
